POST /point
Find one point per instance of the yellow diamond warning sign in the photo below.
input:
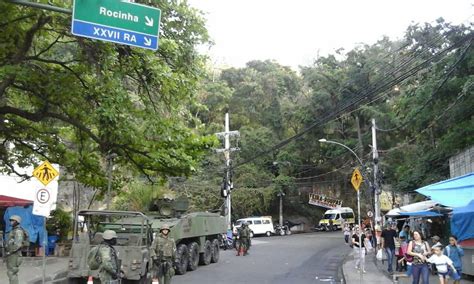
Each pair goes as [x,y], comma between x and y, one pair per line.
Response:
[356,179]
[45,173]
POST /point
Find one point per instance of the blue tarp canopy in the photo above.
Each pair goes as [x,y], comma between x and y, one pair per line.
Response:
[455,192]
[462,223]
[421,214]
[33,224]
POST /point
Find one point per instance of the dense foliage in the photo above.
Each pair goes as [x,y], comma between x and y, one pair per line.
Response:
[418,89]
[75,101]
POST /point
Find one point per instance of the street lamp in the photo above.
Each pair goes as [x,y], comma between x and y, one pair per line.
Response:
[322,140]
[340,144]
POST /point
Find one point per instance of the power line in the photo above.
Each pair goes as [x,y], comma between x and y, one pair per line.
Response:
[432,97]
[357,100]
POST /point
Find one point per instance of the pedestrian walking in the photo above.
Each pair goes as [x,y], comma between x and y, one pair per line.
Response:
[359,249]
[455,253]
[388,243]
[402,257]
[406,233]
[420,250]
[109,269]
[442,263]
[435,241]
[13,249]
[163,254]
[347,233]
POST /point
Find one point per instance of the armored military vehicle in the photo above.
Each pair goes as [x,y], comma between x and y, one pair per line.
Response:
[134,238]
[196,234]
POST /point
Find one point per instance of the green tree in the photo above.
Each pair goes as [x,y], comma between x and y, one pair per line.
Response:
[73,100]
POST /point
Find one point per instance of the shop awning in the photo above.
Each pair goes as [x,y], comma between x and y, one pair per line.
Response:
[8,201]
[414,207]
[422,214]
[455,192]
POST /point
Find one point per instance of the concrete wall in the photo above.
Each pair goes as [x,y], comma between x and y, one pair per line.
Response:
[462,163]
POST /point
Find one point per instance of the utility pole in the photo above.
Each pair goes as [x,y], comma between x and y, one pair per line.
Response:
[227,186]
[375,157]
[281,194]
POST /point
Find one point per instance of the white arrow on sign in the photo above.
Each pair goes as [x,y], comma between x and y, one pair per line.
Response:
[148,21]
[147,41]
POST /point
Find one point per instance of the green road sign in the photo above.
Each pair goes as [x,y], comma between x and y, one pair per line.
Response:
[117,21]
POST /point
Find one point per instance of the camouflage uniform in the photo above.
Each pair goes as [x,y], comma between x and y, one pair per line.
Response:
[108,270]
[244,236]
[13,256]
[164,255]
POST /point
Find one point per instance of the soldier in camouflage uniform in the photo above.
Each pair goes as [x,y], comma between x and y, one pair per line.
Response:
[13,249]
[163,254]
[109,270]
[244,239]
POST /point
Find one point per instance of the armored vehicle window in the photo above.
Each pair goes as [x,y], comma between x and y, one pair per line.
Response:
[250,222]
[258,222]
[266,221]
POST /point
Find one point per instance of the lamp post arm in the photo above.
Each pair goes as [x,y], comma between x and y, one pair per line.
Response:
[350,150]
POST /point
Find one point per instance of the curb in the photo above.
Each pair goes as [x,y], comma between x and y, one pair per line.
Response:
[347,258]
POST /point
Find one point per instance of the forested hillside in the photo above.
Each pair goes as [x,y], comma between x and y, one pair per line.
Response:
[418,89]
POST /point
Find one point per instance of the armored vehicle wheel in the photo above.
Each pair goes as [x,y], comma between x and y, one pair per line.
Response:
[251,234]
[215,251]
[268,234]
[182,256]
[193,249]
[205,257]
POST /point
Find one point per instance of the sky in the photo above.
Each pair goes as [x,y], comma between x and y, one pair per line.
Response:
[295,32]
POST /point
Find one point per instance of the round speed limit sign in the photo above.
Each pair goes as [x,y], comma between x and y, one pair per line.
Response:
[370,214]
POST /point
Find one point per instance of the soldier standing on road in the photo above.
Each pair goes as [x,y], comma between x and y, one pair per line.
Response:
[13,249]
[109,270]
[244,239]
[163,254]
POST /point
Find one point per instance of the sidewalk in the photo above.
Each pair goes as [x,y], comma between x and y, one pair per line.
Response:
[373,275]
[31,270]
[377,273]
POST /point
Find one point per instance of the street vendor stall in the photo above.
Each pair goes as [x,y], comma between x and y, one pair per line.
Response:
[458,193]
[462,226]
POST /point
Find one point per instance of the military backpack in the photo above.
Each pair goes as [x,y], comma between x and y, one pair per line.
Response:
[93,259]
[26,238]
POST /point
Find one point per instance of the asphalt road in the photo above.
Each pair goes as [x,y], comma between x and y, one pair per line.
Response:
[295,259]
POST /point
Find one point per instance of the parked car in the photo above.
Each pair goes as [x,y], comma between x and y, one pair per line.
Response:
[258,225]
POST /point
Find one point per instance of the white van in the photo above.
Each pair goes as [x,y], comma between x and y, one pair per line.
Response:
[258,225]
[338,216]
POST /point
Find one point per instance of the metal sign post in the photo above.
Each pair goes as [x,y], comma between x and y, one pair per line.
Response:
[356,181]
[45,173]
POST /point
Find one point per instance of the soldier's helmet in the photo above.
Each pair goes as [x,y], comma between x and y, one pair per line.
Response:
[109,234]
[15,218]
[165,227]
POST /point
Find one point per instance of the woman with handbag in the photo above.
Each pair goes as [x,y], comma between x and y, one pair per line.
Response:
[420,250]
